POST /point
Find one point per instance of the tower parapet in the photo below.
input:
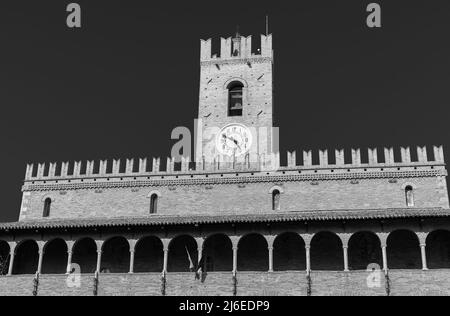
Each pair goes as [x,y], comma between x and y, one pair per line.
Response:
[239,47]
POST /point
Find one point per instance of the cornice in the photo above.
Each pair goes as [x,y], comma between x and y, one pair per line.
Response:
[205,180]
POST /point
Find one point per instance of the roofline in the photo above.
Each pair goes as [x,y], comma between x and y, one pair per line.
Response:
[318,216]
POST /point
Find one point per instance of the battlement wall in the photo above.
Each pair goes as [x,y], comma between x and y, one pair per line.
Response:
[226,53]
[134,168]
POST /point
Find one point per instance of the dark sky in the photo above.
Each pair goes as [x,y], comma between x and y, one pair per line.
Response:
[118,86]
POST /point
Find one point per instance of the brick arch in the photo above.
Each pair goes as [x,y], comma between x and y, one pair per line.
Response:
[48,196]
[149,255]
[55,257]
[403,250]
[217,253]
[364,249]
[5,251]
[276,188]
[235,79]
[438,249]
[115,255]
[183,254]
[85,254]
[155,192]
[289,252]
[253,253]
[327,252]
[27,257]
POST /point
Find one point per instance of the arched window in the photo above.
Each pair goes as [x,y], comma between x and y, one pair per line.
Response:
[276,197]
[154,204]
[409,193]
[47,207]
[235,100]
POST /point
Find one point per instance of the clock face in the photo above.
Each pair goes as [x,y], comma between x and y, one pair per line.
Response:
[234,140]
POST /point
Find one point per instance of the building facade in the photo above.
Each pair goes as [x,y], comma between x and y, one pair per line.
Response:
[235,221]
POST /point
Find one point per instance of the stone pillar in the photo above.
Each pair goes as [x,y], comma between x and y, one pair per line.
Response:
[423,248]
[346,267]
[69,261]
[308,259]
[200,242]
[385,258]
[12,254]
[166,259]
[235,259]
[41,258]
[132,251]
[270,259]
[99,261]
[132,243]
[70,245]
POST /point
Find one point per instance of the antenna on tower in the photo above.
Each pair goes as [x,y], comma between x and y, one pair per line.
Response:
[267,25]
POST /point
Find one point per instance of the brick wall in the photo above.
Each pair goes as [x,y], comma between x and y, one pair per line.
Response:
[402,283]
[236,199]
[16,285]
[346,284]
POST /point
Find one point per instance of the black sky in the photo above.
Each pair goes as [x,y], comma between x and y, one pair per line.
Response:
[118,86]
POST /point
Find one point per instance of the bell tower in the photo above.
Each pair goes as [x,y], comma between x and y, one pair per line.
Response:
[236,90]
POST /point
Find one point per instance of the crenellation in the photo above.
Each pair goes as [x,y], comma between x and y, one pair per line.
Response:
[40,173]
[340,157]
[307,159]
[129,166]
[89,168]
[266,46]
[245,48]
[156,165]
[52,170]
[142,165]
[356,157]
[225,47]
[422,154]
[205,49]
[270,161]
[373,156]
[323,158]
[103,167]
[439,154]
[389,156]
[406,154]
[77,169]
[292,159]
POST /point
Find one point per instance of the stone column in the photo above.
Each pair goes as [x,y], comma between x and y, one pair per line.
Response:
[385,258]
[132,261]
[346,268]
[235,259]
[166,259]
[12,254]
[308,259]
[200,242]
[423,248]
[99,255]
[69,261]
[270,259]
[99,261]
[41,258]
